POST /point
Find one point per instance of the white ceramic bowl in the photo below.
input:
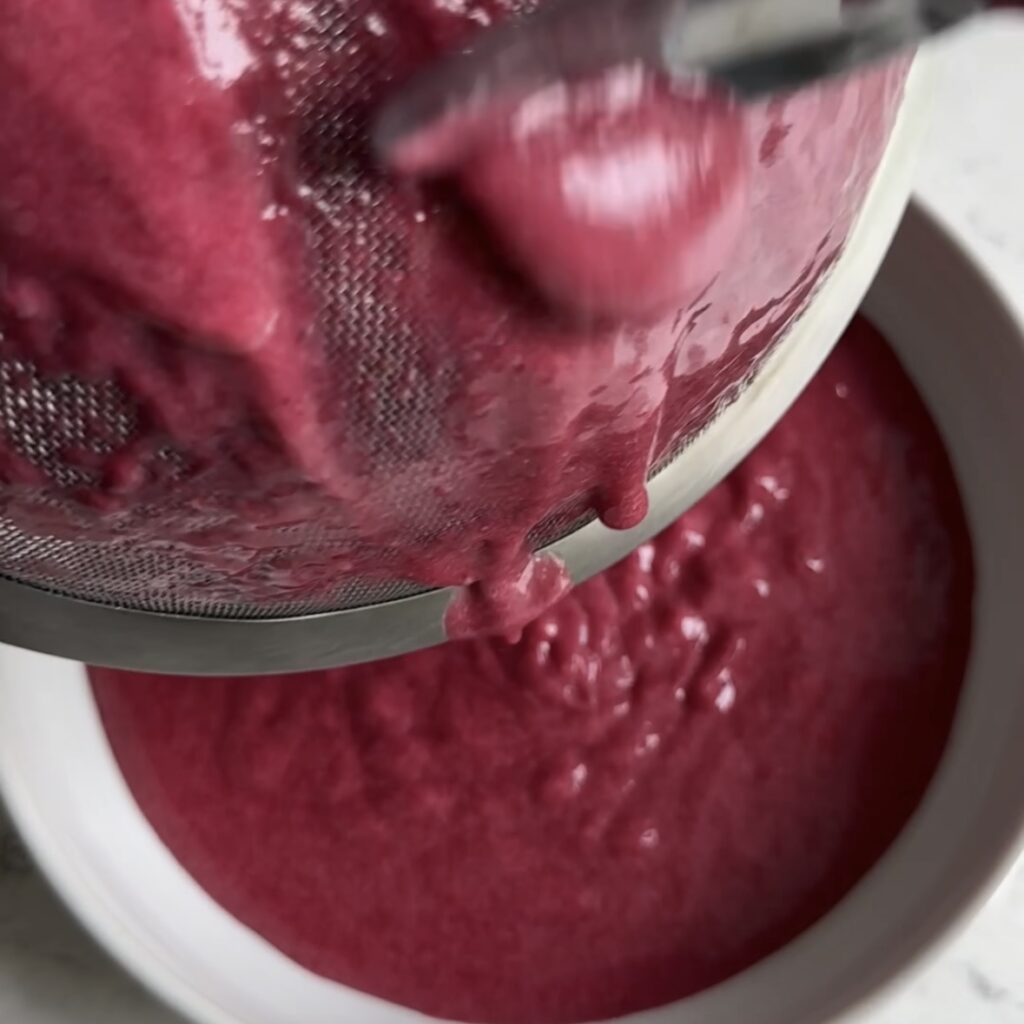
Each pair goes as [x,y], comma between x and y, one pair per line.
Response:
[966,353]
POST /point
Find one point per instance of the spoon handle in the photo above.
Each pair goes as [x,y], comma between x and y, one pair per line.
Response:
[754,48]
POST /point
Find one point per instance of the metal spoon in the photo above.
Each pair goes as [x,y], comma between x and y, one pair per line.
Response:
[753,48]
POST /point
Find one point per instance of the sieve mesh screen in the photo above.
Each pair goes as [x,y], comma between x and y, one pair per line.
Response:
[145,471]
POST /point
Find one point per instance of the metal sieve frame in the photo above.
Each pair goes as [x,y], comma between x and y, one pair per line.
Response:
[38,620]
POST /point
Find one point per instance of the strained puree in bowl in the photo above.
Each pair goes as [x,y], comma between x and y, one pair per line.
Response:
[679,767]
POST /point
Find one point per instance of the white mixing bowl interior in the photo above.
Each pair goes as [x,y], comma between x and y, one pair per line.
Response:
[966,354]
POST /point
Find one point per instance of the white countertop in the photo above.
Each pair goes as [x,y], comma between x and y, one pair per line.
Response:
[973,177]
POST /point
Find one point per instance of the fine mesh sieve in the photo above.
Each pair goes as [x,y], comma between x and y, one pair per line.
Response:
[161,497]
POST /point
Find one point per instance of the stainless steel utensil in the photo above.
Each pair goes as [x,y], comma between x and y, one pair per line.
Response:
[754,48]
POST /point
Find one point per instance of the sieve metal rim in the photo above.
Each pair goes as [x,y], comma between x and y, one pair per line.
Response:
[99,634]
